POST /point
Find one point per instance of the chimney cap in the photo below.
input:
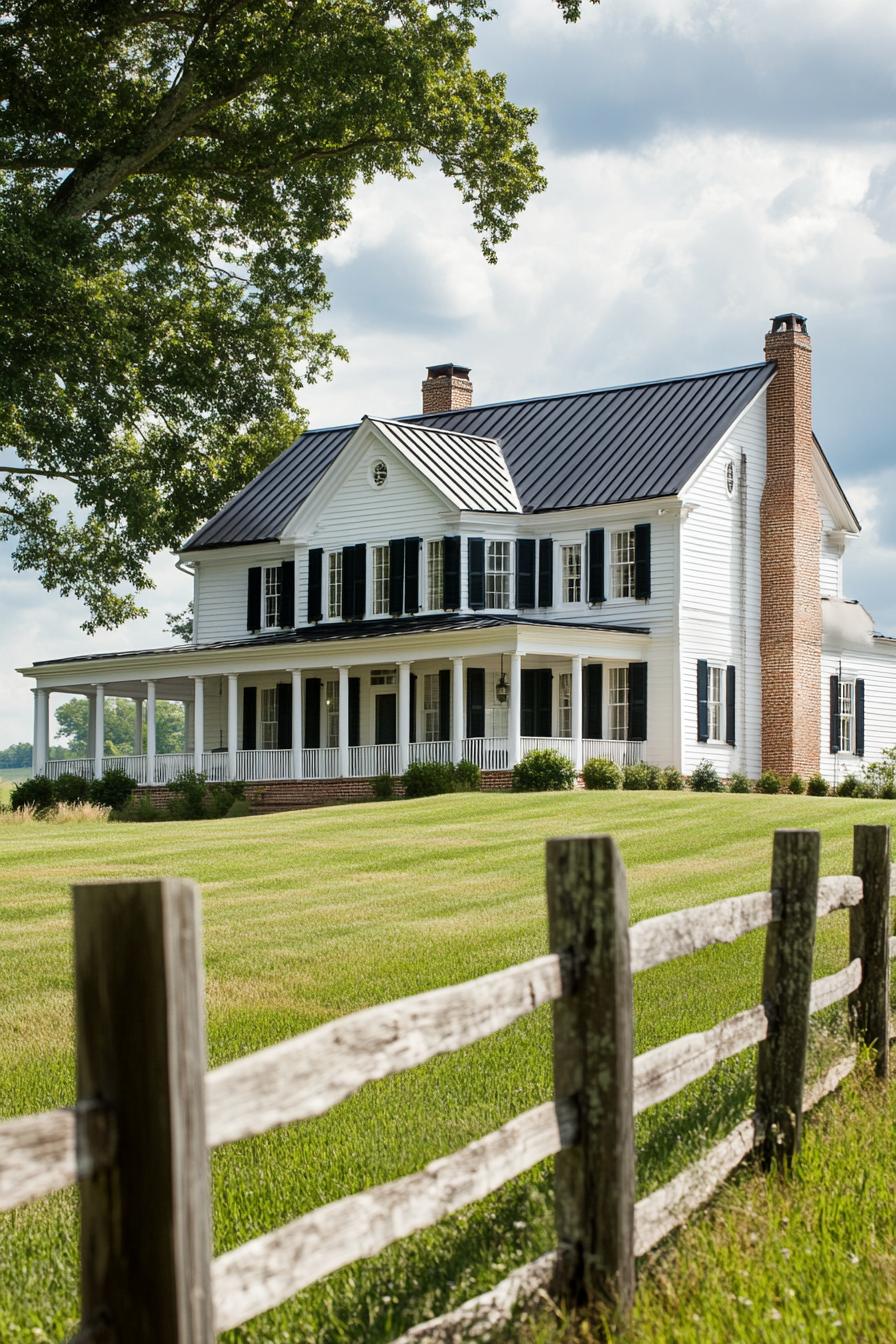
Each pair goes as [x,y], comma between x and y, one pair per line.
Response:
[447,371]
[789,322]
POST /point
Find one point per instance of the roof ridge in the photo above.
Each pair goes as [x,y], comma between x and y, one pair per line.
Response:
[408,421]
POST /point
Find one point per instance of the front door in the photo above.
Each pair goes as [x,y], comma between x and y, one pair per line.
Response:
[385,720]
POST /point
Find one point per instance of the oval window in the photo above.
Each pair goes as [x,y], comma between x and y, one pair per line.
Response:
[378,473]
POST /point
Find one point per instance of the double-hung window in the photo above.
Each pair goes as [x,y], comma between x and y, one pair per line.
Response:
[497,575]
[332,698]
[431,707]
[622,563]
[565,704]
[435,575]
[571,573]
[381,580]
[272,576]
[847,715]
[617,703]
[269,718]
[715,702]
[334,584]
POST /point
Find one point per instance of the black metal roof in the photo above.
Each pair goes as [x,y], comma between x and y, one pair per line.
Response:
[567,451]
[341,630]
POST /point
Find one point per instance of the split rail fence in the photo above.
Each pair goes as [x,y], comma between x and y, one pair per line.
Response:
[138,1138]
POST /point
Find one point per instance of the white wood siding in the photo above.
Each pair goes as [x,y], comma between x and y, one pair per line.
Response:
[222,588]
[831,557]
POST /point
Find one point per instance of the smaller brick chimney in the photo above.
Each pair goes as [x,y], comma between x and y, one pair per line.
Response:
[446,387]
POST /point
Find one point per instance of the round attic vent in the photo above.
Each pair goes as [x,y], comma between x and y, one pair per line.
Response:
[378,473]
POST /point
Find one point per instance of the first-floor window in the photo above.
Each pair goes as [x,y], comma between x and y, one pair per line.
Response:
[435,576]
[497,574]
[334,584]
[847,715]
[622,563]
[431,707]
[332,696]
[715,701]
[269,718]
[272,575]
[617,703]
[565,704]
[381,580]
[571,573]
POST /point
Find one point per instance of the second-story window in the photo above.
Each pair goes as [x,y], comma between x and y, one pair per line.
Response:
[435,576]
[381,580]
[847,715]
[497,574]
[622,563]
[715,702]
[571,573]
[272,576]
[334,584]
[617,703]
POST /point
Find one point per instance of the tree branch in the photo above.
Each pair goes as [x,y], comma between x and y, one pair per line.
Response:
[35,471]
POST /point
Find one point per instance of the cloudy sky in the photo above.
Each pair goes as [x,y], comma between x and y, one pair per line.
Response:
[710,163]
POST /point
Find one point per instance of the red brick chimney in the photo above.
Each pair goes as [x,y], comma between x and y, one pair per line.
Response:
[446,387]
[790,525]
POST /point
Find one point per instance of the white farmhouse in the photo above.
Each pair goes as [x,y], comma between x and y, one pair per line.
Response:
[644,572]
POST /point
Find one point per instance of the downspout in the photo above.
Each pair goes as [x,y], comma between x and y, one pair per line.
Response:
[743,612]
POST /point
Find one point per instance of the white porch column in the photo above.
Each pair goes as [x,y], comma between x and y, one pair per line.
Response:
[404,716]
[343,722]
[99,740]
[150,732]
[297,725]
[138,725]
[41,748]
[576,712]
[198,723]
[513,709]
[189,726]
[232,722]
[457,709]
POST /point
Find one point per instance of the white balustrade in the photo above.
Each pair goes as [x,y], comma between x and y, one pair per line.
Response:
[564,745]
[215,766]
[623,753]
[489,753]
[74,765]
[270,764]
[172,764]
[133,766]
[320,762]
[367,762]
[430,751]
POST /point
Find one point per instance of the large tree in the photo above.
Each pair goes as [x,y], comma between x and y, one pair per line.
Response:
[167,174]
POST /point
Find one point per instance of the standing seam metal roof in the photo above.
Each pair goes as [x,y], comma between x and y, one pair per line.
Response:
[571,450]
[469,469]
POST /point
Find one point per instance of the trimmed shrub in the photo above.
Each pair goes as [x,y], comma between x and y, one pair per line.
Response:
[705,778]
[467,777]
[739,783]
[69,788]
[113,789]
[817,786]
[543,772]
[238,808]
[383,787]
[425,779]
[880,776]
[795,784]
[599,773]
[672,779]
[768,782]
[189,801]
[36,792]
[849,787]
[139,807]
[641,776]
[219,798]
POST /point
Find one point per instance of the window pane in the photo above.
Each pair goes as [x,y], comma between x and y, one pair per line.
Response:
[269,718]
[565,704]
[271,595]
[622,564]
[332,689]
[571,570]
[617,703]
[381,580]
[715,704]
[435,576]
[847,716]
[334,584]
[497,574]
[431,707]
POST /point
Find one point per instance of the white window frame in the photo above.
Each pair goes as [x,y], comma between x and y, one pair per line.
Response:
[435,574]
[617,703]
[431,704]
[622,563]
[847,714]
[715,702]
[564,704]
[331,705]
[381,571]
[570,573]
[334,585]
[498,575]
[271,588]
[268,718]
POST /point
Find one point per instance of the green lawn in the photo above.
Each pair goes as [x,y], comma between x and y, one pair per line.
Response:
[311,915]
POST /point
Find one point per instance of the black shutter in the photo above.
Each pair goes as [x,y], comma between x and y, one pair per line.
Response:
[412,727]
[637,702]
[315,586]
[312,711]
[476,579]
[835,713]
[596,584]
[594,695]
[250,699]
[253,605]
[287,594]
[642,560]
[860,717]
[730,706]
[411,575]
[348,583]
[545,572]
[445,705]
[702,700]
[451,572]
[360,602]
[284,715]
[354,711]
[535,702]
[525,573]
[475,702]
[396,577]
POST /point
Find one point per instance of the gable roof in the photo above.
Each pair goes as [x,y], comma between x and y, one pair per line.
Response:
[640,441]
[469,470]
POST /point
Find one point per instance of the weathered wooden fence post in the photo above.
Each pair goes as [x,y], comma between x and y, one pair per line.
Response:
[593,1051]
[140,1017]
[786,989]
[869,939]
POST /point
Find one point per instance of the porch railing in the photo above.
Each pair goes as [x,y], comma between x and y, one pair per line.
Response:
[623,753]
[133,766]
[489,753]
[430,751]
[367,762]
[320,762]
[172,764]
[564,745]
[69,766]
[270,764]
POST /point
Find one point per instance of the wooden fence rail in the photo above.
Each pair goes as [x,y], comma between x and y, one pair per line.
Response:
[138,1138]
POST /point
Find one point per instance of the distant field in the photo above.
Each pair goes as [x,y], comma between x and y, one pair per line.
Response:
[9,776]
[311,915]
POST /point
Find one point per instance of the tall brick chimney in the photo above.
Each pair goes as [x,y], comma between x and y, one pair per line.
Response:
[446,387]
[790,524]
